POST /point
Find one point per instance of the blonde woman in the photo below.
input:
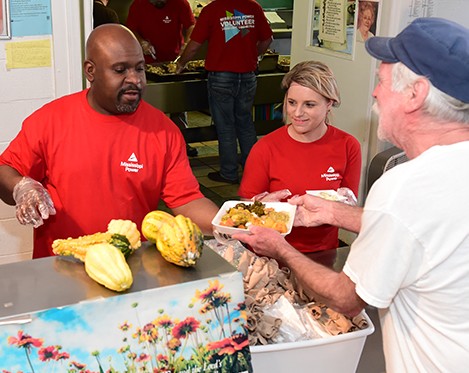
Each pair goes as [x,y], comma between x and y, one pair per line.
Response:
[308,153]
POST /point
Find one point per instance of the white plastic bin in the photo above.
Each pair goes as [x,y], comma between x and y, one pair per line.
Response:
[334,354]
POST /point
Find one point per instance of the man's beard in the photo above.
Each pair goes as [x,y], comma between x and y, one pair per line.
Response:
[131,107]
[379,131]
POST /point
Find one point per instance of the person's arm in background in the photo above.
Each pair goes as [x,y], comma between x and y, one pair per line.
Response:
[187,33]
[147,48]
[187,37]
[189,52]
[201,211]
[187,22]
[133,22]
[263,45]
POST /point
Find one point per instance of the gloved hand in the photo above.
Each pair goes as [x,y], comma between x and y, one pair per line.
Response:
[273,196]
[148,49]
[351,199]
[33,202]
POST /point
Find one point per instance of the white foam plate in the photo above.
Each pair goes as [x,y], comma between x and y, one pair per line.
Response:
[277,206]
[329,194]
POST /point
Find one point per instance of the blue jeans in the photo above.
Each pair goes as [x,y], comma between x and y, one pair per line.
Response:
[231,97]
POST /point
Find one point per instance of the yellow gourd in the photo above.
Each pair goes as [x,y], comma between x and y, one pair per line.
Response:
[106,264]
[153,222]
[123,234]
[128,229]
[178,239]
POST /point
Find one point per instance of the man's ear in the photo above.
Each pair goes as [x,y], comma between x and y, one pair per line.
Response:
[419,92]
[89,69]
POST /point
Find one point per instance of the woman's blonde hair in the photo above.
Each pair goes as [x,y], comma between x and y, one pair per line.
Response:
[313,75]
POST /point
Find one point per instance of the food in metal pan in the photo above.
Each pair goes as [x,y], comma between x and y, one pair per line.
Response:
[171,67]
[283,63]
[195,65]
[158,70]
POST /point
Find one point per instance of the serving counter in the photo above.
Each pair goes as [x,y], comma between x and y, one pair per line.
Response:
[53,317]
[191,95]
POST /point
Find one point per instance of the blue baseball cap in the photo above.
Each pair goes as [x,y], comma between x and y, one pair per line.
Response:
[433,47]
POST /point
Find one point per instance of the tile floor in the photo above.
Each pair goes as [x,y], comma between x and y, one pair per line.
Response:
[218,192]
[207,161]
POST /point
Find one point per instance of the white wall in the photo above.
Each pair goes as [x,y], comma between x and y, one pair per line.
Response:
[22,91]
[356,80]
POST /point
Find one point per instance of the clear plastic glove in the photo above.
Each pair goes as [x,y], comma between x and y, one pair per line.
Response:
[273,196]
[351,199]
[33,202]
[148,49]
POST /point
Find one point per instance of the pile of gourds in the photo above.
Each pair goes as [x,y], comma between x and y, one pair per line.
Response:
[104,254]
[177,238]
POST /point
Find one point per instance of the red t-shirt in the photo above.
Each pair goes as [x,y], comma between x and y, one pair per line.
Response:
[100,167]
[162,27]
[279,162]
[232,28]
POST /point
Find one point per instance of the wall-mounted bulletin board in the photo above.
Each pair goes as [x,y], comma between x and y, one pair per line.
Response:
[332,27]
[5,20]
[336,25]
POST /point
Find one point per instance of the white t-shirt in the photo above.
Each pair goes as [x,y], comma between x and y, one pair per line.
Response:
[411,260]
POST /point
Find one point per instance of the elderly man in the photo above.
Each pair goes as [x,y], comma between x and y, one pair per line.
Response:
[410,257]
[100,154]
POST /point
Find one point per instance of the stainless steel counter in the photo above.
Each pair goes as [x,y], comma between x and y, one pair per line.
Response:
[45,283]
[191,95]
[41,284]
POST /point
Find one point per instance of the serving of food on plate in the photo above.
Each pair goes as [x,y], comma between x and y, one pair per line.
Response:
[237,216]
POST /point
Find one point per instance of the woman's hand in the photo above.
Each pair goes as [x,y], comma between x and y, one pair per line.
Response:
[273,196]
